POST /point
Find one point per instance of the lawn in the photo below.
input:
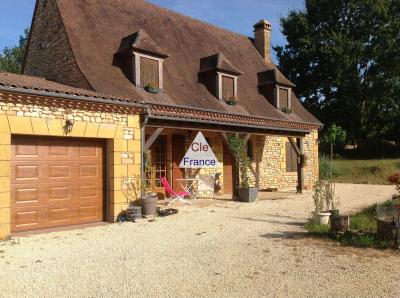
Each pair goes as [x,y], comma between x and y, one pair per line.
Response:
[373,171]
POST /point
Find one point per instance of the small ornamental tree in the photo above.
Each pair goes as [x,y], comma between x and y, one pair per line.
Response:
[335,135]
[239,150]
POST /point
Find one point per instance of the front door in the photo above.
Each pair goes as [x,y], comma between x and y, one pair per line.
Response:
[178,152]
[158,166]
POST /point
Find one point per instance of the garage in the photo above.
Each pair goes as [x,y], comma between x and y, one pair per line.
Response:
[56,182]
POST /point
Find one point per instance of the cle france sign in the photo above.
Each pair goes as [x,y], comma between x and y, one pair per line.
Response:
[199,155]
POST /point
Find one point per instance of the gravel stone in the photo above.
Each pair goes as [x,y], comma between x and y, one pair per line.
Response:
[213,249]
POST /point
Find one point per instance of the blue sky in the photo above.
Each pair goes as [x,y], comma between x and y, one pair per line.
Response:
[235,15]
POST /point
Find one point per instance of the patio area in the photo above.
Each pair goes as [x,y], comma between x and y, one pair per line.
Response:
[214,248]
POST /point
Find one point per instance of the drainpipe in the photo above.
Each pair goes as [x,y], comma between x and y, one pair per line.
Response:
[142,149]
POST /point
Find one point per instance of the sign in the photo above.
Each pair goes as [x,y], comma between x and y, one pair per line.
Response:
[199,155]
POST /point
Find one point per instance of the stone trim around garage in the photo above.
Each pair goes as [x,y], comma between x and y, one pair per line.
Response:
[121,132]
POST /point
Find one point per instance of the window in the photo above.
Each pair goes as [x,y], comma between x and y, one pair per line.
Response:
[228,90]
[283,98]
[291,158]
[227,86]
[149,72]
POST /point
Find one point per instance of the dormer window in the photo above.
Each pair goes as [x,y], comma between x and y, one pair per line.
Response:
[276,88]
[141,60]
[220,77]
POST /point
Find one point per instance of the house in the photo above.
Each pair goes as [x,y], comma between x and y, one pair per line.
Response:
[106,81]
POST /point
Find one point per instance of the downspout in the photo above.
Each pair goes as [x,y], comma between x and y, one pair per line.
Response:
[142,149]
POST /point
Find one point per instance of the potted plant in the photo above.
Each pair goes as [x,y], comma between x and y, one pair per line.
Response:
[152,88]
[286,110]
[148,200]
[320,215]
[231,101]
[239,148]
[332,201]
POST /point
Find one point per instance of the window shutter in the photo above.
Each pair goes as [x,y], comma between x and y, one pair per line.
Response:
[283,98]
[228,85]
[149,72]
[291,158]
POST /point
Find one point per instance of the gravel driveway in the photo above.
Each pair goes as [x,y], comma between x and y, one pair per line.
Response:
[218,249]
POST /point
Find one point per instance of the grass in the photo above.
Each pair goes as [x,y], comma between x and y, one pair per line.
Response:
[372,171]
[362,229]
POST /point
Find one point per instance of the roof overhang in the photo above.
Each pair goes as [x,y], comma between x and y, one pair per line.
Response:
[194,124]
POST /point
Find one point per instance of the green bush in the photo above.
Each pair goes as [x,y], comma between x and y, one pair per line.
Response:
[362,222]
[364,240]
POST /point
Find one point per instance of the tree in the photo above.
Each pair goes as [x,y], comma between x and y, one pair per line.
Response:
[334,136]
[344,57]
[12,59]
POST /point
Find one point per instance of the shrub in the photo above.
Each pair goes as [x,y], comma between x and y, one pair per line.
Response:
[363,222]
[358,240]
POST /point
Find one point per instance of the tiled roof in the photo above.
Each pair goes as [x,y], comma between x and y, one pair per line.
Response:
[25,82]
[141,41]
[210,117]
[217,62]
[96,28]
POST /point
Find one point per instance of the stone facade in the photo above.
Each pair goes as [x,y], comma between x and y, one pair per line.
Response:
[49,54]
[121,130]
[268,168]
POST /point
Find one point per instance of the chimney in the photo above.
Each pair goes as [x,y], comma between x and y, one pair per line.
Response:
[262,36]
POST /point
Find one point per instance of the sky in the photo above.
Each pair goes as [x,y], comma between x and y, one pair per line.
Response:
[235,15]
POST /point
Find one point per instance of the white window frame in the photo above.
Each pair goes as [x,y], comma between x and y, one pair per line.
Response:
[277,99]
[219,84]
[137,56]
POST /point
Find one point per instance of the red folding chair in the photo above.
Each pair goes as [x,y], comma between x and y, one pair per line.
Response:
[176,196]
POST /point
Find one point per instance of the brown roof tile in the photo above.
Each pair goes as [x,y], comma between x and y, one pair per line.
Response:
[95,30]
[217,62]
[26,82]
[141,41]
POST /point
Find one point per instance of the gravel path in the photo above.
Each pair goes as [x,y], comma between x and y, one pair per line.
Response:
[222,249]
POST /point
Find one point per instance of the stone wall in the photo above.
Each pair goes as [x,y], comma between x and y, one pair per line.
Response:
[120,130]
[268,168]
[49,52]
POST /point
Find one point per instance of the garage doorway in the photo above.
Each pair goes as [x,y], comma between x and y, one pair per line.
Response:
[56,182]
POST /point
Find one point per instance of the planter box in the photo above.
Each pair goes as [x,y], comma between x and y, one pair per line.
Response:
[247,195]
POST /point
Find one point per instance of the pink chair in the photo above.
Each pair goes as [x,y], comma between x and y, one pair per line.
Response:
[176,196]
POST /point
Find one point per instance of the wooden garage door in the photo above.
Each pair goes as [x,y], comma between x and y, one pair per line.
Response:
[55,182]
